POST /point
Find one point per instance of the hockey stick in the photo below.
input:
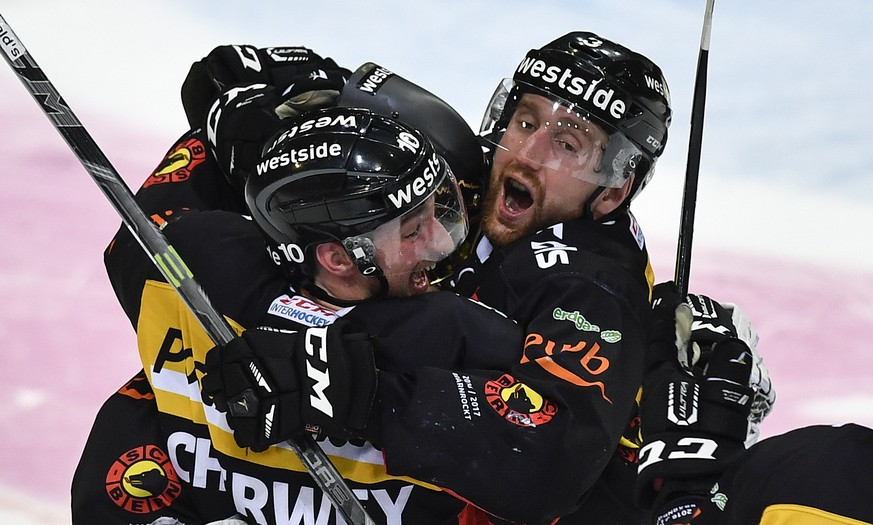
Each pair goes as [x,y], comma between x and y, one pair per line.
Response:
[160,251]
[692,170]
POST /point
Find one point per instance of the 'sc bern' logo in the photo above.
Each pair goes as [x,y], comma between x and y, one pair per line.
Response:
[142,480]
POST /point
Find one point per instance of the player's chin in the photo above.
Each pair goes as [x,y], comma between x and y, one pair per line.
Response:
[502,230]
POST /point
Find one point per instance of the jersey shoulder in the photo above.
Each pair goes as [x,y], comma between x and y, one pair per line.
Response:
[612,255]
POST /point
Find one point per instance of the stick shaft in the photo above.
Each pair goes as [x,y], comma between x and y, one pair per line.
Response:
[695,144]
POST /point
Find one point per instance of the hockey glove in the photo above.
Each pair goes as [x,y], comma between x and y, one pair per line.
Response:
[240,121]
[693,426]
[280,67]
[245,114]
[694,419]
[714,322]
[273,385]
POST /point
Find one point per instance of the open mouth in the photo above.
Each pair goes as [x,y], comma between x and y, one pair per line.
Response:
[420,279]
[516,196]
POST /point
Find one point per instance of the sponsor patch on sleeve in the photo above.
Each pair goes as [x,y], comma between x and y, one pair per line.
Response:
[301,310]
[636,231]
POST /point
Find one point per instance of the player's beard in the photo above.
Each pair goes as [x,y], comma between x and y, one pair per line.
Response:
[513,207]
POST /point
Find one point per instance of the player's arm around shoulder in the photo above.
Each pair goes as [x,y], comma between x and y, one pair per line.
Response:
[188,177]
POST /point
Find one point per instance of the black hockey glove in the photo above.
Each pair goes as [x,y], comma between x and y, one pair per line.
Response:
[280,67]
[240,121]
[273,385]
[242,118]
[694,421]
[255,88]
[714,322]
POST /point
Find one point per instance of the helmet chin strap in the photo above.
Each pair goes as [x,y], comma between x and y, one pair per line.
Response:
[588,205]
[322,294]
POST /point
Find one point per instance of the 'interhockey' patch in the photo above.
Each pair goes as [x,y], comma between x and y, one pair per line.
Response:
[301,310]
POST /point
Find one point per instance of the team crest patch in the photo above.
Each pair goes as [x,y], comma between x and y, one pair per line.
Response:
[178,164]
[143,480]
[518,403]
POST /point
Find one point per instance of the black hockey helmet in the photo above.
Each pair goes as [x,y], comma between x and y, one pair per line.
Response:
[591,79]
[378,89]
[355,177]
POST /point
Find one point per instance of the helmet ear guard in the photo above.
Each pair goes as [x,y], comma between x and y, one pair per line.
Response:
[362,251]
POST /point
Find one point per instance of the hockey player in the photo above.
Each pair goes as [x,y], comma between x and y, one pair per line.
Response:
[575,135]
[129,476]
[373,208]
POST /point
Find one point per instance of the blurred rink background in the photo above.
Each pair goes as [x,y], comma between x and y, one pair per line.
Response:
[784,213]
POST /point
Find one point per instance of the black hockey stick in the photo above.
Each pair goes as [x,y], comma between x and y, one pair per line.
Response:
[160,251]
[692,171]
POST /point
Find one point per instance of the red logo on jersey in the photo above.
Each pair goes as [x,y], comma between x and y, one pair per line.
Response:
[178,164]
[519,403]
[143,480]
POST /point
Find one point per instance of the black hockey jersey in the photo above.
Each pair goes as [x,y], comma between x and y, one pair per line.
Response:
[580,291]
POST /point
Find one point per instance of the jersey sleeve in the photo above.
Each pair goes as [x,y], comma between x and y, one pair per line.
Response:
[187,180]
[223,250]
[188,177]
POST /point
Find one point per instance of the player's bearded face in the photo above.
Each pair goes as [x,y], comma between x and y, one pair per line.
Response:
[542,170]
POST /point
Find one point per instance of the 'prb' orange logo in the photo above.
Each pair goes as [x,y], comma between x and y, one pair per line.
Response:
[143,480]
[542,351]
[518,403]
[178,164]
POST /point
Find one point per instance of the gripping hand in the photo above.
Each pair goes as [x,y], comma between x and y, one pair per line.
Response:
[273,385]
[714,322]
[693,426]
[286,68]
[698,394]
[249,91]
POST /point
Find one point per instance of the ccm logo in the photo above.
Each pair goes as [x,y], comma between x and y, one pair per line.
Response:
[316,347]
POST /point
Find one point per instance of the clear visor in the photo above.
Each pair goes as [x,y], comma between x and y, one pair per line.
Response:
[419,238]
[550,132]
